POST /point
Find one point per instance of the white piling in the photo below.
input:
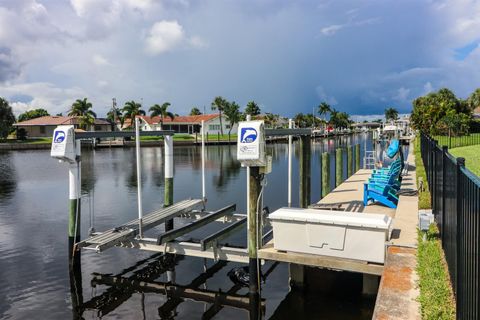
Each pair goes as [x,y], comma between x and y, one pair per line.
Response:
[139,177]
[290,126]
[204,197]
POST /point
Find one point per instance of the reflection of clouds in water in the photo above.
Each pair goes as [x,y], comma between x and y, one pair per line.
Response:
[7,176]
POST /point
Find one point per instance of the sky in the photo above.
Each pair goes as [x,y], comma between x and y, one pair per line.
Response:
[288,56]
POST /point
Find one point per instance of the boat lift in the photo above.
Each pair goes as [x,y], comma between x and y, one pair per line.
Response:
[131,234]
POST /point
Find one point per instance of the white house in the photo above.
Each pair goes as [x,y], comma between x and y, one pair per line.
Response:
[188,124]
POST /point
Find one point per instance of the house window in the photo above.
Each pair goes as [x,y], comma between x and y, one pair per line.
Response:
[213,127]
[98,128]
[42,129]
[227,126]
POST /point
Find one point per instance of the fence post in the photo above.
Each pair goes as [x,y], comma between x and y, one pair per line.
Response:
[459,244]
[433,190]
[444,179]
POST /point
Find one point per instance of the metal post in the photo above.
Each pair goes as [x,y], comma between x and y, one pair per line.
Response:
[338,167]
[444,184]
[168,201]
[204,197]
[74,177]
[305,171]
[290,126]
[349,161]
[459,232]
[139,177]
[357,157]
[325,174]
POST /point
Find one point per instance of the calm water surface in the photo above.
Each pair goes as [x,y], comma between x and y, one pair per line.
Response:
[34,273]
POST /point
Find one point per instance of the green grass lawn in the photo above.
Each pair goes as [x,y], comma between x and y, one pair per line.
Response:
[436,296]
[455,142]
[28,141]
[471,155]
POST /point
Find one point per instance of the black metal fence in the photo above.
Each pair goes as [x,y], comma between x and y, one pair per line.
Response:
[460,141]
[455,193]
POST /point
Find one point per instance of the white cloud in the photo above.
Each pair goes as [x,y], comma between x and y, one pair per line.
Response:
[197,42]
[100,60]
[401,94]
[331,30]
[322,94]
[164,36]
[427,88]
[45,95]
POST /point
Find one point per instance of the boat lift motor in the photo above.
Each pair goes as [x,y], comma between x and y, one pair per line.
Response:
[63,144]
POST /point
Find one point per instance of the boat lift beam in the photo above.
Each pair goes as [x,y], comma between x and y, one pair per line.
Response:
[121,134]
[189,249]
[213,239]
[210,217]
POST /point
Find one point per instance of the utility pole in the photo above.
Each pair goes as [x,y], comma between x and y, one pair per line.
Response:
[115,117]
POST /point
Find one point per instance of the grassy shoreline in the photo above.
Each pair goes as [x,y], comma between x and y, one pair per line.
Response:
[423,197]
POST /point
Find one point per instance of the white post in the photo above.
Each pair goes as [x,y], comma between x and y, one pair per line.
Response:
[249,118]
[204,198]
[139,176]
[290,126]
[168,191]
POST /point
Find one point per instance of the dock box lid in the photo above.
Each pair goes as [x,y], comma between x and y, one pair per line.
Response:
[357,219]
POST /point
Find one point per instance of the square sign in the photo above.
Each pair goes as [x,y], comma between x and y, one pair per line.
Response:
[251,143]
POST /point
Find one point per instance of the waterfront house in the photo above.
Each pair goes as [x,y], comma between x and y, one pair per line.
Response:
[187,124]
[44,126]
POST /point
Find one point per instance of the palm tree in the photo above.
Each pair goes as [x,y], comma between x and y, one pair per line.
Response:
[323,109]
[113,115]
[130,110]
[83,109]
[219,103]
[161,111]
[232,111]
[391,114]
[195,111]
[252,108]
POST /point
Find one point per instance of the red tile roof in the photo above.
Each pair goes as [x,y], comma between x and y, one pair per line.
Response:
[56,121]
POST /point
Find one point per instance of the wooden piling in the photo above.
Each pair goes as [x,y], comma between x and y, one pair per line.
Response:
[305,171]
[252,240]
[325,174]
[357,157]
[74,191]
[349,161]
[338,167]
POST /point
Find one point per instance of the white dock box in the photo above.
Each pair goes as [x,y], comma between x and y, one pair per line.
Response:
[350,235]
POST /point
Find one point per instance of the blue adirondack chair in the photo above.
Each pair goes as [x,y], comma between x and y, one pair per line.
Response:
[386,195]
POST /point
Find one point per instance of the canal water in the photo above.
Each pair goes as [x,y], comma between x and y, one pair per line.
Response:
[34,277]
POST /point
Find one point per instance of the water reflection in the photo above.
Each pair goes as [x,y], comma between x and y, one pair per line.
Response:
[8,176]
[143,277]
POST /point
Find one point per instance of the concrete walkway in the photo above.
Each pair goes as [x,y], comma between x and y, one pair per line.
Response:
[398,290]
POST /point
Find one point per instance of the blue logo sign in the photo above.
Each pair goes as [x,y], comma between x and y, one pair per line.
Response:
[59,137]
[248,135]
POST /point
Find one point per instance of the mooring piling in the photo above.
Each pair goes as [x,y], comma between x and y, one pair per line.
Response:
[325,174]
[349,161]
[338,167]
[305,171]
[139,176]
[289,184]
[74,192]
[357,157]
[254,189]
[168,190]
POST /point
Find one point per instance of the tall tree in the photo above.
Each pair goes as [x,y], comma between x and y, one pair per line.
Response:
[195,111]
[323,109]
[219,104]
[474,100]
[114,114]
[32,114]
[271,119]
[7,119]
[232,111]
[162,112]
[82,109]
[130,110]
[391,114]
[252,108]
